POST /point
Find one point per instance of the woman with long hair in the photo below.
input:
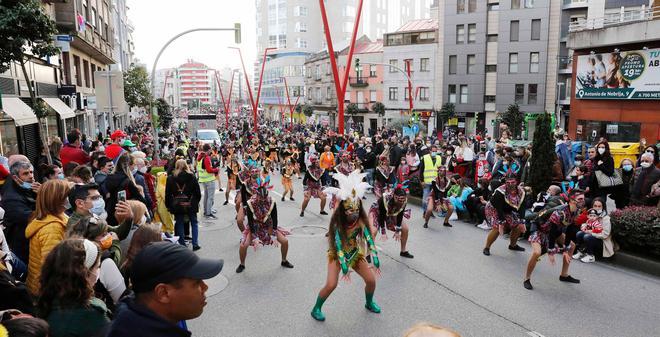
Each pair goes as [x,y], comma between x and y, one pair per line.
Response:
[182,195]
[122,180]
[46,228]
[66,299]
[144,235]
[349,234]
[604,163]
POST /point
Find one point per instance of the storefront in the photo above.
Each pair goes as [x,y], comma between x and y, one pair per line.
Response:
[19,129]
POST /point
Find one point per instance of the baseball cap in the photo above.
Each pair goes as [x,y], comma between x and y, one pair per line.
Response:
[128,143]
[117,134]
[165,262]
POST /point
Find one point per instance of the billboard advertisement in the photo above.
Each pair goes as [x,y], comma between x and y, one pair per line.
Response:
[619,75]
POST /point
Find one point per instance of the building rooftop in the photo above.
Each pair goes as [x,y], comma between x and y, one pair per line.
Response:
[365,46]
[418,25]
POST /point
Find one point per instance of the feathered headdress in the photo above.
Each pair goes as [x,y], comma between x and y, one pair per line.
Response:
[400,188]
[351,188]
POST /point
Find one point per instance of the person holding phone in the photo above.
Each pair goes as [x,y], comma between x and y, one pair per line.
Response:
[121,185]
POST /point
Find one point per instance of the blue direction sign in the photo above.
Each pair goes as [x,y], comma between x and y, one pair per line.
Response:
[415,128]
[66,38]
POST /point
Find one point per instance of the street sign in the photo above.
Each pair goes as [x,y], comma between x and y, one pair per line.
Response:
[67,38]
[91,102]
[415,129]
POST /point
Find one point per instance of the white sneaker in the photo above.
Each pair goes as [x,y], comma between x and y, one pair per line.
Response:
[578,255]
[484,225]
[588,259]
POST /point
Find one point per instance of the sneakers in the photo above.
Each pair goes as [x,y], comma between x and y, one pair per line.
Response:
[240,268]
[447,224]
[324,213]
[302,214]
[406,254]
[211,216]
[225,203]
[588,258]
[486,251]
[568,279]
[282,198]
[426,225]
[292,199]
[516,248]
[213,211]
[528,284]
[578,255]
[484,226]
[221,190]
[196,248]
[286,264]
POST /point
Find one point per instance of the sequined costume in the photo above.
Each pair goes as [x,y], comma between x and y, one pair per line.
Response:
[505,211]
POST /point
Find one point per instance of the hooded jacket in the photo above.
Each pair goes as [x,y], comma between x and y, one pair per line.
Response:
[43,235]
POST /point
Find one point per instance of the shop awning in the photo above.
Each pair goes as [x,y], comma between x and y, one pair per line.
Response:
[62,109]
[20,112]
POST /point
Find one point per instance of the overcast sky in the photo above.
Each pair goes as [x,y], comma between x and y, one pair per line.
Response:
[156,21]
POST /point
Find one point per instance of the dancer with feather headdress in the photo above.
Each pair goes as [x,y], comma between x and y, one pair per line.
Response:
[388,212]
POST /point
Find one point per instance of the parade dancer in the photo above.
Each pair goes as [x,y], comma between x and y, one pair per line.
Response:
[287,183]
[505,212]
[549,238]
[350,234]
[388,212]
[438,200]
[233,168]
[262,228]
[247,178]
[312,183]
[383,176]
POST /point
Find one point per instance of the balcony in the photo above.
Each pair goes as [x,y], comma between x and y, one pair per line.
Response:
[616,19]
[358,82]
[571,4]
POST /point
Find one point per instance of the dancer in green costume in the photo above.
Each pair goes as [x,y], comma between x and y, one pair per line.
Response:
[349,235]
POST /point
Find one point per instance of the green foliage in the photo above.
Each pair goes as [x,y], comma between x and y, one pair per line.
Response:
[543,155]
[136,87]
[165,116]
[514,119]
[351,109]
[637,229]
[25,29]
[307,110]
[298,108]
[378,108]
[447,111]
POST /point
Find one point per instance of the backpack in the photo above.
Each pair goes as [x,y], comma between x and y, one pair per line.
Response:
[181,200]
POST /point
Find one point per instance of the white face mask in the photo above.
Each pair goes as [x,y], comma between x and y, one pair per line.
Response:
[101,148]
[601,150]
[578,163]
[645,165]
[143,169]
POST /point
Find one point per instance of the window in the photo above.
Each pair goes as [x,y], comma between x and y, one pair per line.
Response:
[472,33]
[514,29]
[373,96]
[301,43]
[394,94]
[491,38]
[328,68]
[472,6]
[452,64]
[86,72]
[424,94]
[318,72]
[76,67]
[424,64]
[300,11]
[489,99]
[471,63]
[92,19]
[533,62]
[406,96]
[460,34]
[301,27]
[460,6]
[529,3]
[464,94]
[452,93]
[94,70]
[308,70]
[328,93]
[520,94]
[493,7]
[536,29]
[515,4]
[372,70]
[408,63]
[393,63]
[531,93]
[491,68]
[513,63]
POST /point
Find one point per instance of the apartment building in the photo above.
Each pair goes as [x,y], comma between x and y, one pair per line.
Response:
[414,45]
[614,88]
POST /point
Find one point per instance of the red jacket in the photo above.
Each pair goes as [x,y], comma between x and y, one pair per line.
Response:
[207,163]
[113,150]
[70,153]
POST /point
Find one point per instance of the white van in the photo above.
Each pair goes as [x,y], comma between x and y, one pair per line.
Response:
[208,136]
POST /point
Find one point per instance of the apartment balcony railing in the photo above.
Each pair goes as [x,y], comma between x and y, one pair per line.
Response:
[616,19]
[358,82]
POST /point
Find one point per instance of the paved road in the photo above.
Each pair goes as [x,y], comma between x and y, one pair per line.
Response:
[449,282]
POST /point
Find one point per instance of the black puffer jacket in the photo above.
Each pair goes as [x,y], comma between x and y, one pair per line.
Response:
[189,186]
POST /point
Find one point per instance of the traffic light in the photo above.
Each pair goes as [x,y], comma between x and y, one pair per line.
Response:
[237,33]
[357,66]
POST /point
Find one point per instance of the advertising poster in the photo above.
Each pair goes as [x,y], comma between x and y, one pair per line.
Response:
[619,75]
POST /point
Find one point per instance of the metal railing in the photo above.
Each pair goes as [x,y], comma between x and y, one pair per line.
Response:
[616,19]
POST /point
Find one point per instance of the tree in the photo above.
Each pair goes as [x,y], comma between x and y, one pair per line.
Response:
[447,111]
[514,119]
[543,155]
[165,116]
[136,87]
[298,108]
[26,31]
[351,109]
[378,108]
[307,110]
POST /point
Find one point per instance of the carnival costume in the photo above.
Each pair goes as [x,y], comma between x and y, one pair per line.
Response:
[312,180]
[344,167]
[504,210]
[348,240]
[388,212]
[383,177]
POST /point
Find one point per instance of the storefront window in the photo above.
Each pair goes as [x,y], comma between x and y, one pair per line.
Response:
[591,131]
[51,122]
[8,138]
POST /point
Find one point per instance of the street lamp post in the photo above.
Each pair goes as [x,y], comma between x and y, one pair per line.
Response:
[405,73]
[255,103]
[237,39]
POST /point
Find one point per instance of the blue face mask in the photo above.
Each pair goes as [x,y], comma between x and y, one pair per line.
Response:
[98,207]
[26,185]
[60,176]
[627,167]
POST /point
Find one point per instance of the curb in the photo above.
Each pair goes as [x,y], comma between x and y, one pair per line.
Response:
[620,259]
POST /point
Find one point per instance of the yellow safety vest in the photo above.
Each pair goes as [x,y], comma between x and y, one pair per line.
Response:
[204,177]
[430,168]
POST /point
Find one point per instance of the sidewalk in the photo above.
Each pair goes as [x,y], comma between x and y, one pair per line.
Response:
[621,258]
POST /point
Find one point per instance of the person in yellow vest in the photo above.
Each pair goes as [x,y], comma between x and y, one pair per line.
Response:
[207,173]
[428,168]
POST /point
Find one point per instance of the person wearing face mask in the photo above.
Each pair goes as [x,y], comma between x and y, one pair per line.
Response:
[106,167]
[653,151]
[51,172]
[548,237]
[644,179]
[69,276]
[46,228]
[579,160]
[428,169]
[604,163]
[621,195]
[19,195]
[312,185]
[388,212]
[114,150]
[86,202]
[594,238]
[505,212]
[122,179]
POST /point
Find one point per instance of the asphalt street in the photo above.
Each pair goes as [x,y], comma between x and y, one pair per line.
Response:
[449,282]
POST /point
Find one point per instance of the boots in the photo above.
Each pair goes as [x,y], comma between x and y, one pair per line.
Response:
[371,305]
[317,314]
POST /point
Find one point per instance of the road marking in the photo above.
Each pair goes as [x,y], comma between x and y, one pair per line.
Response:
[534,334]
